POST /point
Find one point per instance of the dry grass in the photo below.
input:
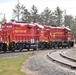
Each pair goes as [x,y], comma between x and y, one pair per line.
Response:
[12,66]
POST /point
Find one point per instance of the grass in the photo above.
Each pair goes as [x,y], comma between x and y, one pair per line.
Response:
[12,66]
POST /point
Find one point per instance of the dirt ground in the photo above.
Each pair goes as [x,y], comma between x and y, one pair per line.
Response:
[25,69]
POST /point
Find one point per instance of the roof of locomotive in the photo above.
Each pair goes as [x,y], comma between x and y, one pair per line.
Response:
[14,23]
[23,24]
[67,28]
[36,24]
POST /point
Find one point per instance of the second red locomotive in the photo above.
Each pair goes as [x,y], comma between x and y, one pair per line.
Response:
[55,37]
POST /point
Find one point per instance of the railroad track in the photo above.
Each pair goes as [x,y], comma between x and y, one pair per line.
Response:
[61,57]
[14,54]
[23,52]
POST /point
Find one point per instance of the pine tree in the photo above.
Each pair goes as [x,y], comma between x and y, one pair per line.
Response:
[3,19]
[58,15]
[34,14]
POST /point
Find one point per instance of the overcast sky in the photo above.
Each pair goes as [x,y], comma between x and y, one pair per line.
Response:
[7,6]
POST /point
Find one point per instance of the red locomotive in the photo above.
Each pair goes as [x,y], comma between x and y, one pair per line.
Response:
[19,36]
[56,37]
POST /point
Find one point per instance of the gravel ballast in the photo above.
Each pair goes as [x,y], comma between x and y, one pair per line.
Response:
[40,63]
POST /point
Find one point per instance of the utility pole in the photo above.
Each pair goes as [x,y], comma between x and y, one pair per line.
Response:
[64,17]
[18,10]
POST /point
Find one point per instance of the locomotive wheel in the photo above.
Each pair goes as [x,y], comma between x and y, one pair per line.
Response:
[13,50]
[64,46]
[4,50]
[28,49]
[55,46]
[34,48]
[42,47]
[69,46]
[72,44]
[4,47]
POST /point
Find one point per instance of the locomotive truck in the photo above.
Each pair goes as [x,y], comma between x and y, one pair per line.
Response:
[19,36]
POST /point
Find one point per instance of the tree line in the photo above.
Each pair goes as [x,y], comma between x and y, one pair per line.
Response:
[47,17]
